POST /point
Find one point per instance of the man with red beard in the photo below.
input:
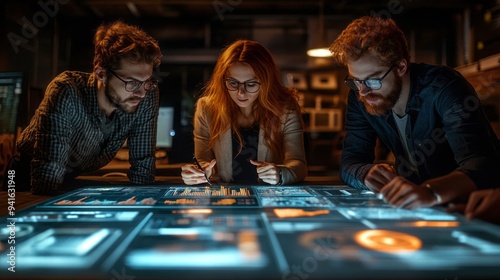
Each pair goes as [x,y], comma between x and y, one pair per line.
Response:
[429,116]
[85,118]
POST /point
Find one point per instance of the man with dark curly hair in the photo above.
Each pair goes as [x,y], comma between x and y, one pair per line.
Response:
[85,118]
[429,116]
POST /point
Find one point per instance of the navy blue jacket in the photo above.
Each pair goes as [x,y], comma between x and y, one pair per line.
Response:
[447,130]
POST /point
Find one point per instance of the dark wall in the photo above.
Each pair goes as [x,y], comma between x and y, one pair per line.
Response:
[43,43]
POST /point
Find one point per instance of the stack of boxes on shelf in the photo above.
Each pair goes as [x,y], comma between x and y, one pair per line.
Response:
[320,100]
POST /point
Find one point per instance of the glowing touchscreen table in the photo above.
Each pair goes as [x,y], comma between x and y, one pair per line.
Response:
[241,232]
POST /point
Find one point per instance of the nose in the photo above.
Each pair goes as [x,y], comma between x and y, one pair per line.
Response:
[241,89]
[140,92]
[363,89]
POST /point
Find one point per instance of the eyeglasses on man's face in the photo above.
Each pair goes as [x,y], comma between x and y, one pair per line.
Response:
[371,83]
[133,85]
[250,86]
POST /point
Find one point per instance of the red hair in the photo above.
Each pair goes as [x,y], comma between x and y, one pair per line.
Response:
[371,35]
[274,101]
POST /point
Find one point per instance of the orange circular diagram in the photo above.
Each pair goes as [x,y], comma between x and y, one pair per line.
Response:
[388,241]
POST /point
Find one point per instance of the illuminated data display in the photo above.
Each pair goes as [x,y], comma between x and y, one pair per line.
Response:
[173,241]
[284,191]
[208,191]
[78,216]
[173,196]
[69,247]
[242,232]
[110,197]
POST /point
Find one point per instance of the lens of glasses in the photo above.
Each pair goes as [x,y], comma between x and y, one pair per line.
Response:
[150,84]
[373,84]
[250,87]
[370,83]
[135,85]
[132,85]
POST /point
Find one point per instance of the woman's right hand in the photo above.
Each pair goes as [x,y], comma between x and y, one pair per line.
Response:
[192,175]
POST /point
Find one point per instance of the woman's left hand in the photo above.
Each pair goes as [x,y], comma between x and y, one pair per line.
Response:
[267,172]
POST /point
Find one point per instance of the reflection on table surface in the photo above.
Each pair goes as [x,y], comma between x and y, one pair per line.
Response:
[242,232]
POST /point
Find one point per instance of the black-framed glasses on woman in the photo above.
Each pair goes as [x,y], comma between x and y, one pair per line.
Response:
[371,83]
[133,85]
[249,86]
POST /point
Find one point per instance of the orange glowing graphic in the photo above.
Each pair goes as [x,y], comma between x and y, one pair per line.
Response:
[130,200]
[222,191]
[182,201]
[148,201]
[133,200]
[193,211]
[225,201]
[434,224]
[190,192]
[386,241]
[69,202]
[248,244]
[295,213]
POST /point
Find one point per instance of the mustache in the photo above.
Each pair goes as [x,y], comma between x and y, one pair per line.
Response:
[133,99]
[370,95]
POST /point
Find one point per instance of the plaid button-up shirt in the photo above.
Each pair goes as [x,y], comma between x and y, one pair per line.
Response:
[65,137]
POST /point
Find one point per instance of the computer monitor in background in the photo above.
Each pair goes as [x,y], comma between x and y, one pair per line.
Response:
[165,131]
[11,92]
[164,135]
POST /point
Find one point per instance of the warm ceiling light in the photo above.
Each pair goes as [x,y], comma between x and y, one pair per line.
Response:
[133,9]
[319,52]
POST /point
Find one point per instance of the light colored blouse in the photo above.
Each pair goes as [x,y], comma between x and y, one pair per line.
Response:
[293,168]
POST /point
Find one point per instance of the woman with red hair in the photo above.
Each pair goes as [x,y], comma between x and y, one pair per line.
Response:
[248,127]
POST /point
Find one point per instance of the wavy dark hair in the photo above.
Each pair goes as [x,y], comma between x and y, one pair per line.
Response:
[115,41]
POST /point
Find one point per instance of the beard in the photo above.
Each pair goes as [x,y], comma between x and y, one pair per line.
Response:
[387,102]
[117,102]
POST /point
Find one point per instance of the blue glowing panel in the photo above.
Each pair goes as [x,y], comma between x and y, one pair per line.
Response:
[296,201]
[350,252]
[63,248]
[391,213]
[283,191]
[78,216]
[113,196]
[197,241]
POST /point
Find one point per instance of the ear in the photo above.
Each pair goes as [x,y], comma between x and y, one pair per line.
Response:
[402,67]
[100,73]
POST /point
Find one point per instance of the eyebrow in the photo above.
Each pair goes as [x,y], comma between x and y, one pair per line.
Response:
[132,78]
[250,80]
[368,77]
